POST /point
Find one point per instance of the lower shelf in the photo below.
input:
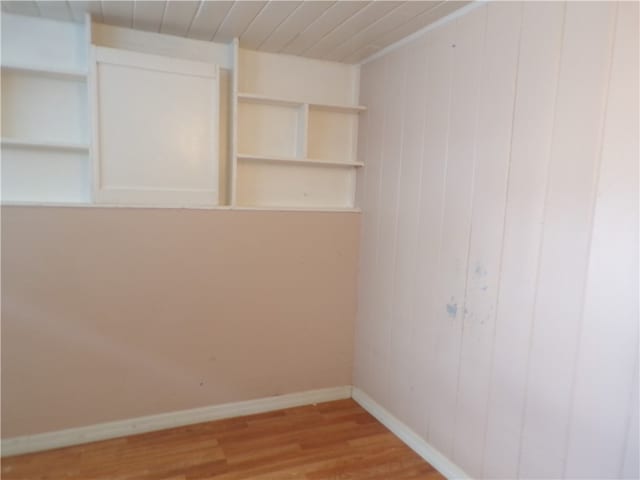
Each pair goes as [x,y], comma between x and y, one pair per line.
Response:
[298,161]
[264,184]
[45,174]
[44,144]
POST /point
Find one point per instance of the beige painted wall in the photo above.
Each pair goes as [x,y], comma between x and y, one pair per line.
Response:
[114,313]
[498,310]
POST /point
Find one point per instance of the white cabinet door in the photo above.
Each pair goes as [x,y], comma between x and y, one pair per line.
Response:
[155,129]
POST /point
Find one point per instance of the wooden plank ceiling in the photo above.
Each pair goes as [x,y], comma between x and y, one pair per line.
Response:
[343,31]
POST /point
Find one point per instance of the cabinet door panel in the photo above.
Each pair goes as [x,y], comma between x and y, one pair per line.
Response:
[156,129]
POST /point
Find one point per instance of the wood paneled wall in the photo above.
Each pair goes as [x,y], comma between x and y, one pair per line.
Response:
[498,295]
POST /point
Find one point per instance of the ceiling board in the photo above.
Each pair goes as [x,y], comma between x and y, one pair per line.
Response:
[272,15]
[373,31]
[344,30]
[238,19]
[148,15]
[178,16]
[58,10]
[21,7]
[338,13]
[208,19]
[117,13]
[297,22]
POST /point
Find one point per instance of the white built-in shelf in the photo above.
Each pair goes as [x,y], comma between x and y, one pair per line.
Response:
[65,73]
[44,144]
[254,98]
[298,161]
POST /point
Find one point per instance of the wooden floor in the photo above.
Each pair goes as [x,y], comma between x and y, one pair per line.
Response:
[328,441]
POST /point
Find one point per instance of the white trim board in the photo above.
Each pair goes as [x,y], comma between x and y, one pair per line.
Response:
[410,38]
[437,460]
[104,431]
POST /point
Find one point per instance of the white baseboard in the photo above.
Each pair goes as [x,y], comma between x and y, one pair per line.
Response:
[104,431]
[441,463]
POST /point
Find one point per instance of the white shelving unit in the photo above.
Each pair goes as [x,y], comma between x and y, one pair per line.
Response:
[45,148]
[45,128]
[292,152]
[287,126]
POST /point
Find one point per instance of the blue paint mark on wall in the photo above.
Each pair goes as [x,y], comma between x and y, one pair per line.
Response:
[480,271]
[452,309]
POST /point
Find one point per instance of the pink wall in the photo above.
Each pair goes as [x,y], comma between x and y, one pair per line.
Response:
[113,313]
[498,295]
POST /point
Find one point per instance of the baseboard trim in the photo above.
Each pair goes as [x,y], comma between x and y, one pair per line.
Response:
[104,431]
[441,463]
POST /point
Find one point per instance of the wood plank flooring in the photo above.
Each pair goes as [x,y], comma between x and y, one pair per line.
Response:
[328,441]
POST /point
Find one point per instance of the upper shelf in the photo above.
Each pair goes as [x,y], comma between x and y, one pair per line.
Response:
[253,98]
[65,73]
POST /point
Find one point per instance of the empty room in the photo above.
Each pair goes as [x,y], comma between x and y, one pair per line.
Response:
[319,240]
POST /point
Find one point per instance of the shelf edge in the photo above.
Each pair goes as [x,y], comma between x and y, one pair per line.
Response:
[43,145]
[299,161]
[50,72]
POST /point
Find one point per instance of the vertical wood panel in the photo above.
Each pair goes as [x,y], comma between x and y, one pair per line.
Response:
[469,42]
[372,93]
[500,223]
[426,281]
[530,146]
[630,465]
[495,115]
[574,158]
[609,341]
[407,217]
[396,76]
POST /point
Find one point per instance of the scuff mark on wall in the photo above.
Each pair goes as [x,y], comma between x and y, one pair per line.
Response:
[452,308]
